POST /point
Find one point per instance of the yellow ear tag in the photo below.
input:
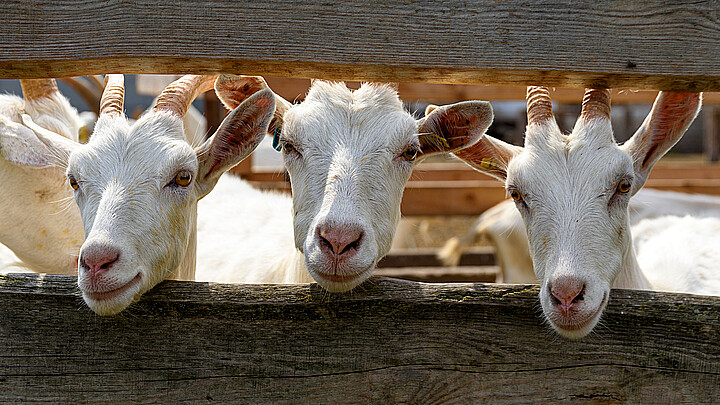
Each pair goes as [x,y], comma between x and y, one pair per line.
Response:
[429,138]
[487,163]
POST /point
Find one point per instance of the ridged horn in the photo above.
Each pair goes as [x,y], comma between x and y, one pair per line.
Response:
[37,88]
[596,104]
[539,105]
[113,97]
[178,95]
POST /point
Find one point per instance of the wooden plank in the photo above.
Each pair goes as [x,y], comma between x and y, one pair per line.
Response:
[652,44]
[296,89]
[476,256]
[385,342]
[466,274]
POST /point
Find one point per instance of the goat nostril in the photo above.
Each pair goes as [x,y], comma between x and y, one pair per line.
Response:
[580,296]
[354,244]
[96,262]
[324,242]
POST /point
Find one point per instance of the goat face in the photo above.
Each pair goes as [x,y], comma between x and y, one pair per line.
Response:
[137,188]
[573,193]
[349,155]
[137,209]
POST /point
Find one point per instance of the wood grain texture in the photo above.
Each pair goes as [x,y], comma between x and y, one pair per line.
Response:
[654,44]
[296,89]
[386,342]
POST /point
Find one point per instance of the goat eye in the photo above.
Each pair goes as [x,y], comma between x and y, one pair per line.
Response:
[624,186]
[515,195]
[73,183]
[288,147]
[183,178]
[410,154]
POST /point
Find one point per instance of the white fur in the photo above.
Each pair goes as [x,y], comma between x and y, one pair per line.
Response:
[245,235]
[39,222]
[132,209]
[504,227]
[343,150]
[577,219]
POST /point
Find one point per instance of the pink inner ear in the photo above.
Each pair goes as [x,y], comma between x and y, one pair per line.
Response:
[238,135]
[456,126]
[234,90]
[669,121]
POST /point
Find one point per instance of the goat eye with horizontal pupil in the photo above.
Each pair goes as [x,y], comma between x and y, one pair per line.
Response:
[73,183]
[410,154]
[515,195]
[624,186]
[183,178]
[288,147]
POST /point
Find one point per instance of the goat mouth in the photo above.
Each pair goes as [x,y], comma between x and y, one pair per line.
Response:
[337,278]
[577,325]
[107,295]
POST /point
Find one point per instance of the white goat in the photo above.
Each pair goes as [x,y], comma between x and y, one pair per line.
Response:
[138,186]
[38,222]
[349,155]
[504,227]
[573,194]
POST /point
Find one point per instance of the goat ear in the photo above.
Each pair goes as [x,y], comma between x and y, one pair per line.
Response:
[232,90]
[490,156]
[239,134]
[671,115]
[453,127]
[19,145]
[58,147]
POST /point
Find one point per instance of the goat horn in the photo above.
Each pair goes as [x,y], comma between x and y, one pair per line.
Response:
[539,105]
[86,90]
[178,95]
[113,96]
[37,88]
[596,104]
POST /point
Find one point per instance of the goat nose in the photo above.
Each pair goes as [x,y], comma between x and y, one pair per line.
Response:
[341,240]
[566,292]
[99,260]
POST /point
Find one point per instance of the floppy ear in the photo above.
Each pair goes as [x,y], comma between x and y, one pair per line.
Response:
[490,156]
[232,90]
[671,115]
[57,146]
[239,134]
[19,145]
[453,127]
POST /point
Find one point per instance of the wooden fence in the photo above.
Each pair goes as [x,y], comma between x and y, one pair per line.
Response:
[386,341]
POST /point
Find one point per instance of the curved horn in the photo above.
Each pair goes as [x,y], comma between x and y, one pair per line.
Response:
[178,95]
[86,90]
[113,97]
[539,105]
[596,104]
[37,88]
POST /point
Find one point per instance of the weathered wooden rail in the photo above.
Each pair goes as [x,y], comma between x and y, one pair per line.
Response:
[653,44]
[388,342]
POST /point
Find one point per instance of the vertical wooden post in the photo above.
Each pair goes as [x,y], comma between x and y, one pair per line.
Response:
[711,136]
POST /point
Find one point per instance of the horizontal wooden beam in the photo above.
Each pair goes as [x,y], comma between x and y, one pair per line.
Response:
[385,342]
[652,44]
[296,89]
[421,257]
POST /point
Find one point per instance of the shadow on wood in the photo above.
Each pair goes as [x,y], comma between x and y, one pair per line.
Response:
[387,342]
